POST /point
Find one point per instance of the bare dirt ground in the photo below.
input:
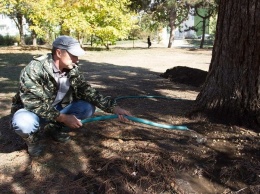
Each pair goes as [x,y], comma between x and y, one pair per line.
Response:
[115,157]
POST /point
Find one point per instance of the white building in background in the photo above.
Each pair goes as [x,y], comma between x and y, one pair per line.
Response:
[8,26]
[180,32]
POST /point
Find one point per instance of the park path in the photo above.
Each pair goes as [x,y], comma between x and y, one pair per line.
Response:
[157,58]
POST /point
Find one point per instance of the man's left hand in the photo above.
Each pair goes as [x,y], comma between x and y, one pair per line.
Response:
[121,113]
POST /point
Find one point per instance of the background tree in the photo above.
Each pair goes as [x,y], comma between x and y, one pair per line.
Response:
[139,5]
[209,9]
[110,21]
[54,17]
[134,33]
[231,92]
[71,16]
[166,13]
[150,27]
[35,12]
[170,12]
[41,20]
[16,10]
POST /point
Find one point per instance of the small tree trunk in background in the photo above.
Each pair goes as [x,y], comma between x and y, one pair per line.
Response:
[34,38]
[19,24]
[203,32]
[172,27]
[231,92]
[91,40]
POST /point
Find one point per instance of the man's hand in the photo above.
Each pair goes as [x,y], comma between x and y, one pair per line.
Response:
[121,112]
[69,120]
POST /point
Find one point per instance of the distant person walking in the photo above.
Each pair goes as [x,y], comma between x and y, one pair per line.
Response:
[149,42]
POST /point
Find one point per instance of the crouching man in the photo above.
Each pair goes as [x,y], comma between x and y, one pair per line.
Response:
[52,90]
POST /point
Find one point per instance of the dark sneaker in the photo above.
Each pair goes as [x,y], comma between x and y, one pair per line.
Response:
[35,148]
[58,133]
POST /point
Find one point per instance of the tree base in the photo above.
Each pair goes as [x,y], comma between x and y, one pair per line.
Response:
[247,121]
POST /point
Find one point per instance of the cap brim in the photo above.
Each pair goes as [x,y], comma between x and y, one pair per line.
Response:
[76,51]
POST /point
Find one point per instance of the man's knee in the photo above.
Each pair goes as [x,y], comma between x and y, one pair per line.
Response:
[80,108]
[86,109]
[25,122]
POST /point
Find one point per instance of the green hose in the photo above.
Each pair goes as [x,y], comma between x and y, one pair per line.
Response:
[135,119]
[166,97]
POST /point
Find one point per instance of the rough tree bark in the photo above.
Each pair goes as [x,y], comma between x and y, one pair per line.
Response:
[231,92]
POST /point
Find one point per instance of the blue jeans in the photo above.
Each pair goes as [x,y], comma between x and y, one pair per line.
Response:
[25,122]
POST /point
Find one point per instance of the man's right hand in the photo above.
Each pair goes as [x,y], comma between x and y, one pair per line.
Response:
[69,120]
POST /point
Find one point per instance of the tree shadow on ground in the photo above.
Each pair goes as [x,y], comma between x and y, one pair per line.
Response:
[11,66]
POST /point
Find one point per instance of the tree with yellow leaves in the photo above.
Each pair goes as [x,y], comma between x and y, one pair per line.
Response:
[108,20]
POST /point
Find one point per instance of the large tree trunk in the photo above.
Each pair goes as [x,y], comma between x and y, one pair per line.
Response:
[231,92]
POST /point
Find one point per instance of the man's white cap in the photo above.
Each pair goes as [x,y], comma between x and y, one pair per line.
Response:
[69,44]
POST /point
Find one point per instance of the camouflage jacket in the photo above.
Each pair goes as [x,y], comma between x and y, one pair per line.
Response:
[38,89]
